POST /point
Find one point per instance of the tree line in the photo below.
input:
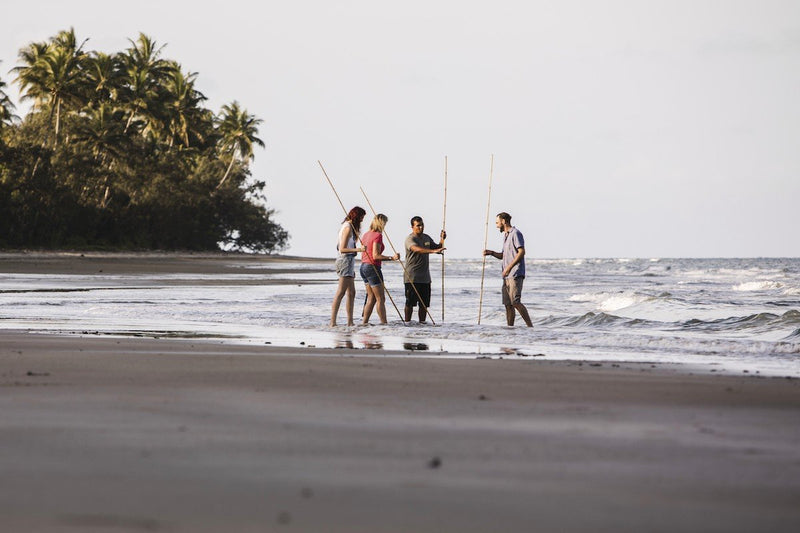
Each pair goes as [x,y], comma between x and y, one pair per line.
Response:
[118,151]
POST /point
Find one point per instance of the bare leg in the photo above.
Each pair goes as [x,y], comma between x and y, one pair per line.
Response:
[408,312]
[421,313]
[337,299]
[351,298]
[523,312]
[510,315]
[380,297]
[371,299]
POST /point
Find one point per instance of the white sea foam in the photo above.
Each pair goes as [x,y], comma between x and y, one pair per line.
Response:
[610,302]
[619,302]
[758,286]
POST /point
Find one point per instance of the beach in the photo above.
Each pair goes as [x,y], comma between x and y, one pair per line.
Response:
[123,432]
[175,435]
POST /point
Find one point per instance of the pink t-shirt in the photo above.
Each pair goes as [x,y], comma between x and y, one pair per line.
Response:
[368,239]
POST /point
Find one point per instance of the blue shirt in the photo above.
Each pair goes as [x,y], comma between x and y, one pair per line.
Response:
[513,241]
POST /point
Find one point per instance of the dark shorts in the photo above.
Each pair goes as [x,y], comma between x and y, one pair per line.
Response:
[424,290]
[370,276]
[512,290]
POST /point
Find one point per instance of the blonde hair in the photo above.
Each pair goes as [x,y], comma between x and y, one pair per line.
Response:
[379,222]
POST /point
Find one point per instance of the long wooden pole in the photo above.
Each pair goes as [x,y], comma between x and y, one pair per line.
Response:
[444,221]
[359,240]
[421,303]
[486,235]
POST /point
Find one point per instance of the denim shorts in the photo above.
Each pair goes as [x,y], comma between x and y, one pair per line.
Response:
[370,276]
[346,265]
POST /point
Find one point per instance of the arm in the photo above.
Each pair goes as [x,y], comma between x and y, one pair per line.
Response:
[420,250]
[376,254]
[497,255]
[517,259]
[434,249]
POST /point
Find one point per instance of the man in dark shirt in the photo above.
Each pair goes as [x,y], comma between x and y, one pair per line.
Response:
[417,275]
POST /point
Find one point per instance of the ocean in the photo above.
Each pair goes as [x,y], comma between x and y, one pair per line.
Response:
[725,315]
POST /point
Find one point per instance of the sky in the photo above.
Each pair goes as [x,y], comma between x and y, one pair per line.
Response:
[616,128]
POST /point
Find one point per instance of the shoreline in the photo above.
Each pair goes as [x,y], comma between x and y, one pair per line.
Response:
[79,262]
[235,271]
[182,435]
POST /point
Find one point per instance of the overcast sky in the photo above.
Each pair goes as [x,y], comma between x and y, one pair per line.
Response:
[619,128]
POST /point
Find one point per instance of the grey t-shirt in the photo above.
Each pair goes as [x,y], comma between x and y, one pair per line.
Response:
[417,270]
[512,241]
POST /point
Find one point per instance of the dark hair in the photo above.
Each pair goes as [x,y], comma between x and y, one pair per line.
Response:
[355,216]
[416,219]
[505,217]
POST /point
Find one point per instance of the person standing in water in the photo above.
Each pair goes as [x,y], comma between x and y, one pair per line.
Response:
[513,257]
[417,277]
[347,246]
[371,260]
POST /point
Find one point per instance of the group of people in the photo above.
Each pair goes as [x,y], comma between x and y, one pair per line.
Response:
[417,277]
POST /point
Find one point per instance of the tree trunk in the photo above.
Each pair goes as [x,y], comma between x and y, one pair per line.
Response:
[226,173]
[106,194]
[58,121]
[130,118]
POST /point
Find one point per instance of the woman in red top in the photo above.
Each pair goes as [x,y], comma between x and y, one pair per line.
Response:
[371,267]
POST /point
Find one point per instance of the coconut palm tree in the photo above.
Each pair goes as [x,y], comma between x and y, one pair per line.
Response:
[182,103]
[145,73]
[7,116]
[52,76]
[105,77]
[30,76]
[237,130]
[100,131]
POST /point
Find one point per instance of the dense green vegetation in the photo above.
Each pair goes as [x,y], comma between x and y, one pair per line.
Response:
[118,151]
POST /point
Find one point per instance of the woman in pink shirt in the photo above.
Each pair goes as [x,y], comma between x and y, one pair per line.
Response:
[371,267]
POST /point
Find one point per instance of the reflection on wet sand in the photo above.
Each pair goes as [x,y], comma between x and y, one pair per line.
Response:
[344,342]
[371,342]
[415,346]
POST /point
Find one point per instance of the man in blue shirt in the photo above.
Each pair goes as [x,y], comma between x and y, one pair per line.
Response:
[513,257]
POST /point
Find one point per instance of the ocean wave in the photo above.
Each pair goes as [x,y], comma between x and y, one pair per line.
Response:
[793,335]
[763,321]
[610,302]
[593,320]
[752,286]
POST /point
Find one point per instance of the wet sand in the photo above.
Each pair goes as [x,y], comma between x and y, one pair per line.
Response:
[138,434]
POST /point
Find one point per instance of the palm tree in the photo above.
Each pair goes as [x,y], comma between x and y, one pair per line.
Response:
[237,129]
[184,113]
[30,76]
[145,73]
[105,77]
[7,116]
[100,132]
[52,75]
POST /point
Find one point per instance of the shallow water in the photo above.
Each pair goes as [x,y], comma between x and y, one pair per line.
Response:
[733,315]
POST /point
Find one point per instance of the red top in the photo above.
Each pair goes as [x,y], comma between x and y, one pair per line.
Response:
[368,239]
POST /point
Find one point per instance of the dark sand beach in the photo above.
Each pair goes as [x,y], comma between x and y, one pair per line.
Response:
[101,433]
[107,434]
